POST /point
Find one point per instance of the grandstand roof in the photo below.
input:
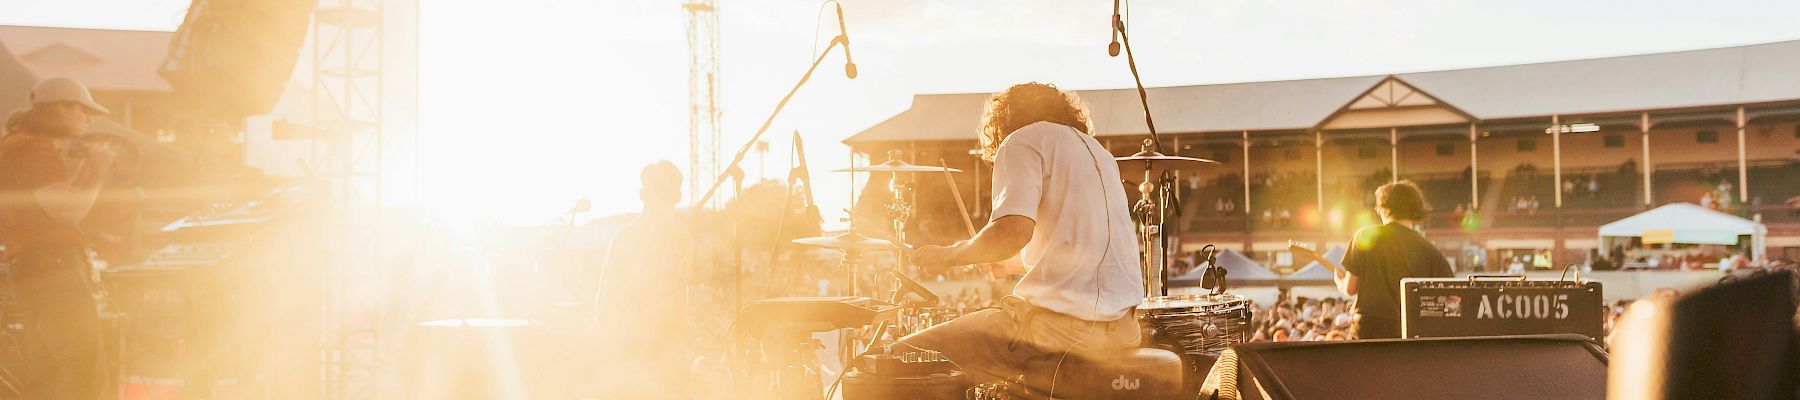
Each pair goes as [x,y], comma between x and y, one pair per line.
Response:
[1676,80]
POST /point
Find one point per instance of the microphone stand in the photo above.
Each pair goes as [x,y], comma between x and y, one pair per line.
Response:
[739,158]
[1156,247]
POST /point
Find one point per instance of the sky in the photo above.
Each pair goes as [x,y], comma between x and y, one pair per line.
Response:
[527,105]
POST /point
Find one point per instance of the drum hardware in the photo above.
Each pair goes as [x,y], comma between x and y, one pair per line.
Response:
[853,246]
[1196,325]
[847,241]
[797,374]
[894,164]
[916,319]
[909,375]
[814,314]
[1155,201]
[1214,277]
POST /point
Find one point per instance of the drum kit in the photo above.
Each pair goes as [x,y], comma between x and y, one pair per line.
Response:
[1198,327]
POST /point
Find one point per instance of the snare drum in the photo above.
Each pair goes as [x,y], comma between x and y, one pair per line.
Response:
[1195,325]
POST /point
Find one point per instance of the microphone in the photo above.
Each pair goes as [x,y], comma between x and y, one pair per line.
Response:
[581,206]
[1112,26]
[844,35]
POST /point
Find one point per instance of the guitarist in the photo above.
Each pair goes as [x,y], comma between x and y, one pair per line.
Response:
[1380,256]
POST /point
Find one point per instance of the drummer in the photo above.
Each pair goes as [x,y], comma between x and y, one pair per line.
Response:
[1057,198]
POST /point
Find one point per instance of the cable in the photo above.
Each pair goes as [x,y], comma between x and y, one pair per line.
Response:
[880,328]
[816,14]
[1106,201]
[1130,61]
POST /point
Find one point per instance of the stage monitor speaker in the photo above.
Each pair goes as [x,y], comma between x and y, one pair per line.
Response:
[1489,367]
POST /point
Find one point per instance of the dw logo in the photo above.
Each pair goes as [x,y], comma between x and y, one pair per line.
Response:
[1125,384]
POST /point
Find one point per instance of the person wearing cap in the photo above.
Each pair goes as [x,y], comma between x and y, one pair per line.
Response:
[41,205]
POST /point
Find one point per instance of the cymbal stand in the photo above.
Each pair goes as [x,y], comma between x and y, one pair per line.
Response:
[901,207]
[1150,214]
[852,261]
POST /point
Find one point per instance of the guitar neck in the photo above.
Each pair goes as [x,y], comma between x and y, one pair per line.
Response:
[1327,263]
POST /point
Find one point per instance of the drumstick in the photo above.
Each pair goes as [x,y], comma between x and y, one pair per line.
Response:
[875,231]
[967,223]
[970,225]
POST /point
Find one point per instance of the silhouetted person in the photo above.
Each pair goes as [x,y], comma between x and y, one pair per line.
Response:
[642,302]
[41,205]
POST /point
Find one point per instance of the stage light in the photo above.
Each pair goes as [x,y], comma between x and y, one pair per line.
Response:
[1573,128]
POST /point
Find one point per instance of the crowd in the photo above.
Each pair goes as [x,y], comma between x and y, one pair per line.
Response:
[1302,320]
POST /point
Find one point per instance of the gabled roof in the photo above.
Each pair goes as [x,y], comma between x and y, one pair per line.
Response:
[1686,79]
[103,59]
[16,82]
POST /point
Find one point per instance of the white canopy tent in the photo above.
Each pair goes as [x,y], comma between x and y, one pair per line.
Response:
[1686,223]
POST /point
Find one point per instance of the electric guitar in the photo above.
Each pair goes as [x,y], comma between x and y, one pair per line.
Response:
[1306,252]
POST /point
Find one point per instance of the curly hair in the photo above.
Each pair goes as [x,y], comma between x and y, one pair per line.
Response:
[1403,200]
[1024,104]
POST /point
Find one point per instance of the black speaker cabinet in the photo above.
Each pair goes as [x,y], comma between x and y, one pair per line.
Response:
[1491,367]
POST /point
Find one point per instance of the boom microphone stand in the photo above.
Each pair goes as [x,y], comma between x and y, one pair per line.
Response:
[849,70]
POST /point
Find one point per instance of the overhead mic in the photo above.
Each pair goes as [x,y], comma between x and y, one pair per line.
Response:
[844,35]
[1112,49]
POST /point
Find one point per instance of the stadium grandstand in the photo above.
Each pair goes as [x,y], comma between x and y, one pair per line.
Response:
[1517,161]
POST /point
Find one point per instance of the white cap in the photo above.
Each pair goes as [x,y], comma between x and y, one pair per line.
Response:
[59,89]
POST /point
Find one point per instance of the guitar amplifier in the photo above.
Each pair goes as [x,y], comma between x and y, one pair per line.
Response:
[1500,305]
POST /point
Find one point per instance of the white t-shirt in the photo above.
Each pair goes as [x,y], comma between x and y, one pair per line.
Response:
[1082,259]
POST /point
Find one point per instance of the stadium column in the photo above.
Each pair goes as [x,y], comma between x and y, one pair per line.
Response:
[1556,162]
[1474,184]
[1246,180]
[1393,155]
[1319,168]
[1644,126]
[1743,166]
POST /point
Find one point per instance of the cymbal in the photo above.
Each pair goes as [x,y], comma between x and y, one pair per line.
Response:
[847,241]
[1133,165]
[896,166]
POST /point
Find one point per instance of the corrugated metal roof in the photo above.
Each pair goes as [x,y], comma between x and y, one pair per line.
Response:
[103,59]
[1721,76]
[1296,104]
[1711,77]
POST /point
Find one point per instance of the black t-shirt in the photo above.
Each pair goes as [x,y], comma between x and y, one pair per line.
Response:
[1380,256]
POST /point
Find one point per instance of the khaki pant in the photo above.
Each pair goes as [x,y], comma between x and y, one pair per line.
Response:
[64,342]
[993,344]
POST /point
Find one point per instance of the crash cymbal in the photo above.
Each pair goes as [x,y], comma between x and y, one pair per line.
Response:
[1133,165]
[847,241]
[896,166]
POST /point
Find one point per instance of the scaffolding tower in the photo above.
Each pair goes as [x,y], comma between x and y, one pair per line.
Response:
[703,94]
[347,52]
